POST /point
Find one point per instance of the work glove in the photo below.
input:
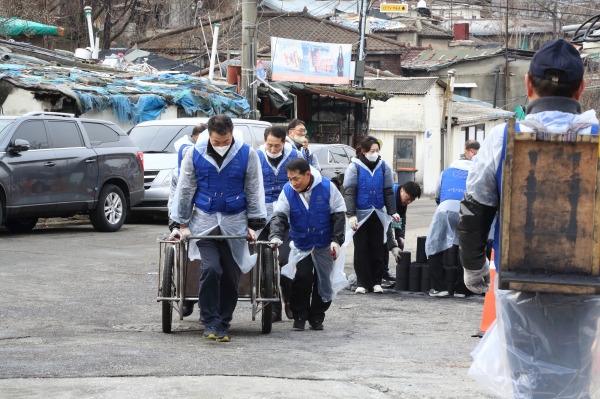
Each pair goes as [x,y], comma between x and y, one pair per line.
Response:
[353,222]
[401,243]
[396,252]
[478,281]
[335,250]
[251,235]
[181,235]
[175,234]
[396,217]
[275,242]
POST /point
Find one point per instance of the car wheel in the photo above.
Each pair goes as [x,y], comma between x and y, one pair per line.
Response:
[111,210]
[20,225]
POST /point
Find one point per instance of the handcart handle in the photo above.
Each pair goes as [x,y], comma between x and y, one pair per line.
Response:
[245,237]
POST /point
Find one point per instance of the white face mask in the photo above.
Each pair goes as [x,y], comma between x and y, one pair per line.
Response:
[372,156]
[298,139]
[273,156]
[222,150]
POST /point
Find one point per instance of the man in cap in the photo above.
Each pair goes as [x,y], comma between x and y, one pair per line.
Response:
[549,337]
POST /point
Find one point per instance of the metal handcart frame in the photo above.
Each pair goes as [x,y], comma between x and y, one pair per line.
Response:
[172,266]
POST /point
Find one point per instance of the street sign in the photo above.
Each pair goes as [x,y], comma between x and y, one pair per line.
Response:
[398,8]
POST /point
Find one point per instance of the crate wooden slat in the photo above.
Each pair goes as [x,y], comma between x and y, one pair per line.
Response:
[550,214]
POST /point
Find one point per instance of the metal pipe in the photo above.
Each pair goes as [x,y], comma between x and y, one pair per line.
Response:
[213,53]
[449,120]
[497,78]
[88,16]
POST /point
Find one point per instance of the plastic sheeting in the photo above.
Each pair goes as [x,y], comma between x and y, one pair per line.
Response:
[132,99]
[332,278]
[542,346]
[184,212]
[16,27]
[330,273]
[442,232]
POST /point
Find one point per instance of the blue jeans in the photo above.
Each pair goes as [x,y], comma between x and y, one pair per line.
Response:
[218,292]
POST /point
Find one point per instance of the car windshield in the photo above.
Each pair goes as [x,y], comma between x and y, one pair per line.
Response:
[158,139]
[5,125]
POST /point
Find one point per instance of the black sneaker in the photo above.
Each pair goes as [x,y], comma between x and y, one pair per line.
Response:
[299,325]
[317,325]
[210,333]
[222,336]
[188,308]
[386,276]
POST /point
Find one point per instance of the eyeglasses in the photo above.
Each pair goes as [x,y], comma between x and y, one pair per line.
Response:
[300,130]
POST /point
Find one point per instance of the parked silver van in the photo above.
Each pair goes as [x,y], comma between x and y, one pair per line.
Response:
[156,139]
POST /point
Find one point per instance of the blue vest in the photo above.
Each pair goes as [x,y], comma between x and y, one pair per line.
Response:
[369,189]
[454,184]
[221,190]
[274,182]
[180,156]
[496,244]
[306,157]
[310,227]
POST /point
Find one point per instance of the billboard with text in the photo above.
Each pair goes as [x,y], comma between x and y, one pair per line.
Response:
[310,62]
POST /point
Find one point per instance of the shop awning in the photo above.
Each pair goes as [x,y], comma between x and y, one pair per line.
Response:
[337,95]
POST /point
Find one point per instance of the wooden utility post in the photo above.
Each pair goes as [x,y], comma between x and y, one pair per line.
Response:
[506,72]
[249,34]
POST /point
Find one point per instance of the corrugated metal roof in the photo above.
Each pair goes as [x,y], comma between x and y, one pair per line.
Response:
[465,112]
[432,60]
[401,85]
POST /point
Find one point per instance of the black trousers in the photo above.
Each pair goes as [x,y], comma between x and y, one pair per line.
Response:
[305,301]
[218,292]
[282,258]
[550,340]
[369,252]
[436,271]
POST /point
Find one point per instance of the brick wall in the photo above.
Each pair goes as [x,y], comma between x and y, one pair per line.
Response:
[389,62]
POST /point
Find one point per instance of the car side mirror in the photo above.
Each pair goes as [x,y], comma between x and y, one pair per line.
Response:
[19,146]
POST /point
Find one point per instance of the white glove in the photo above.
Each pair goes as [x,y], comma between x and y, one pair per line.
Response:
[181,235]
[175,234]
[335,250]
[478,281]
[275,242]
[353,222]
[396,217]
[185,233]
[396,252]
[251,235]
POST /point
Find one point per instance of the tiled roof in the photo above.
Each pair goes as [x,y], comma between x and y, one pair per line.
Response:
[298,26]
[401,85]
[413,53]
[426,29]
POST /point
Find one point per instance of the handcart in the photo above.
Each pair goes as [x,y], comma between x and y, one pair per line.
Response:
[178,279]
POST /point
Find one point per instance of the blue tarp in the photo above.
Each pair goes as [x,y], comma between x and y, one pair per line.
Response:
[134,99]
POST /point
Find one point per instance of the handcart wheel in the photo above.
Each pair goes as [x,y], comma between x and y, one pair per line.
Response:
[267,288]
[168,289]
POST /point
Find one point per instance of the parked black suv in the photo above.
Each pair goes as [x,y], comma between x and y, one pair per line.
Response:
[54,165]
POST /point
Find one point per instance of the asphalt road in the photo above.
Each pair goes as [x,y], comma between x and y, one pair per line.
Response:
[79,318]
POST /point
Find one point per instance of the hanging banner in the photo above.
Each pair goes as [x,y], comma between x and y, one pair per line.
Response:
[310,62]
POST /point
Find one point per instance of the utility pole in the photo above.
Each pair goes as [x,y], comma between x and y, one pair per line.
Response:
[361,43]
[249,13]
[554,20]
[506,72]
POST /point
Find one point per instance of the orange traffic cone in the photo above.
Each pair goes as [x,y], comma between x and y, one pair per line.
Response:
[489,305]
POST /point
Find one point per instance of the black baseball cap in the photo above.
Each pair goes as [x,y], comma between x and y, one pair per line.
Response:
[557,55]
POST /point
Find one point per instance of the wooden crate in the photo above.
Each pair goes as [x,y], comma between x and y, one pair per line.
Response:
[550,214]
